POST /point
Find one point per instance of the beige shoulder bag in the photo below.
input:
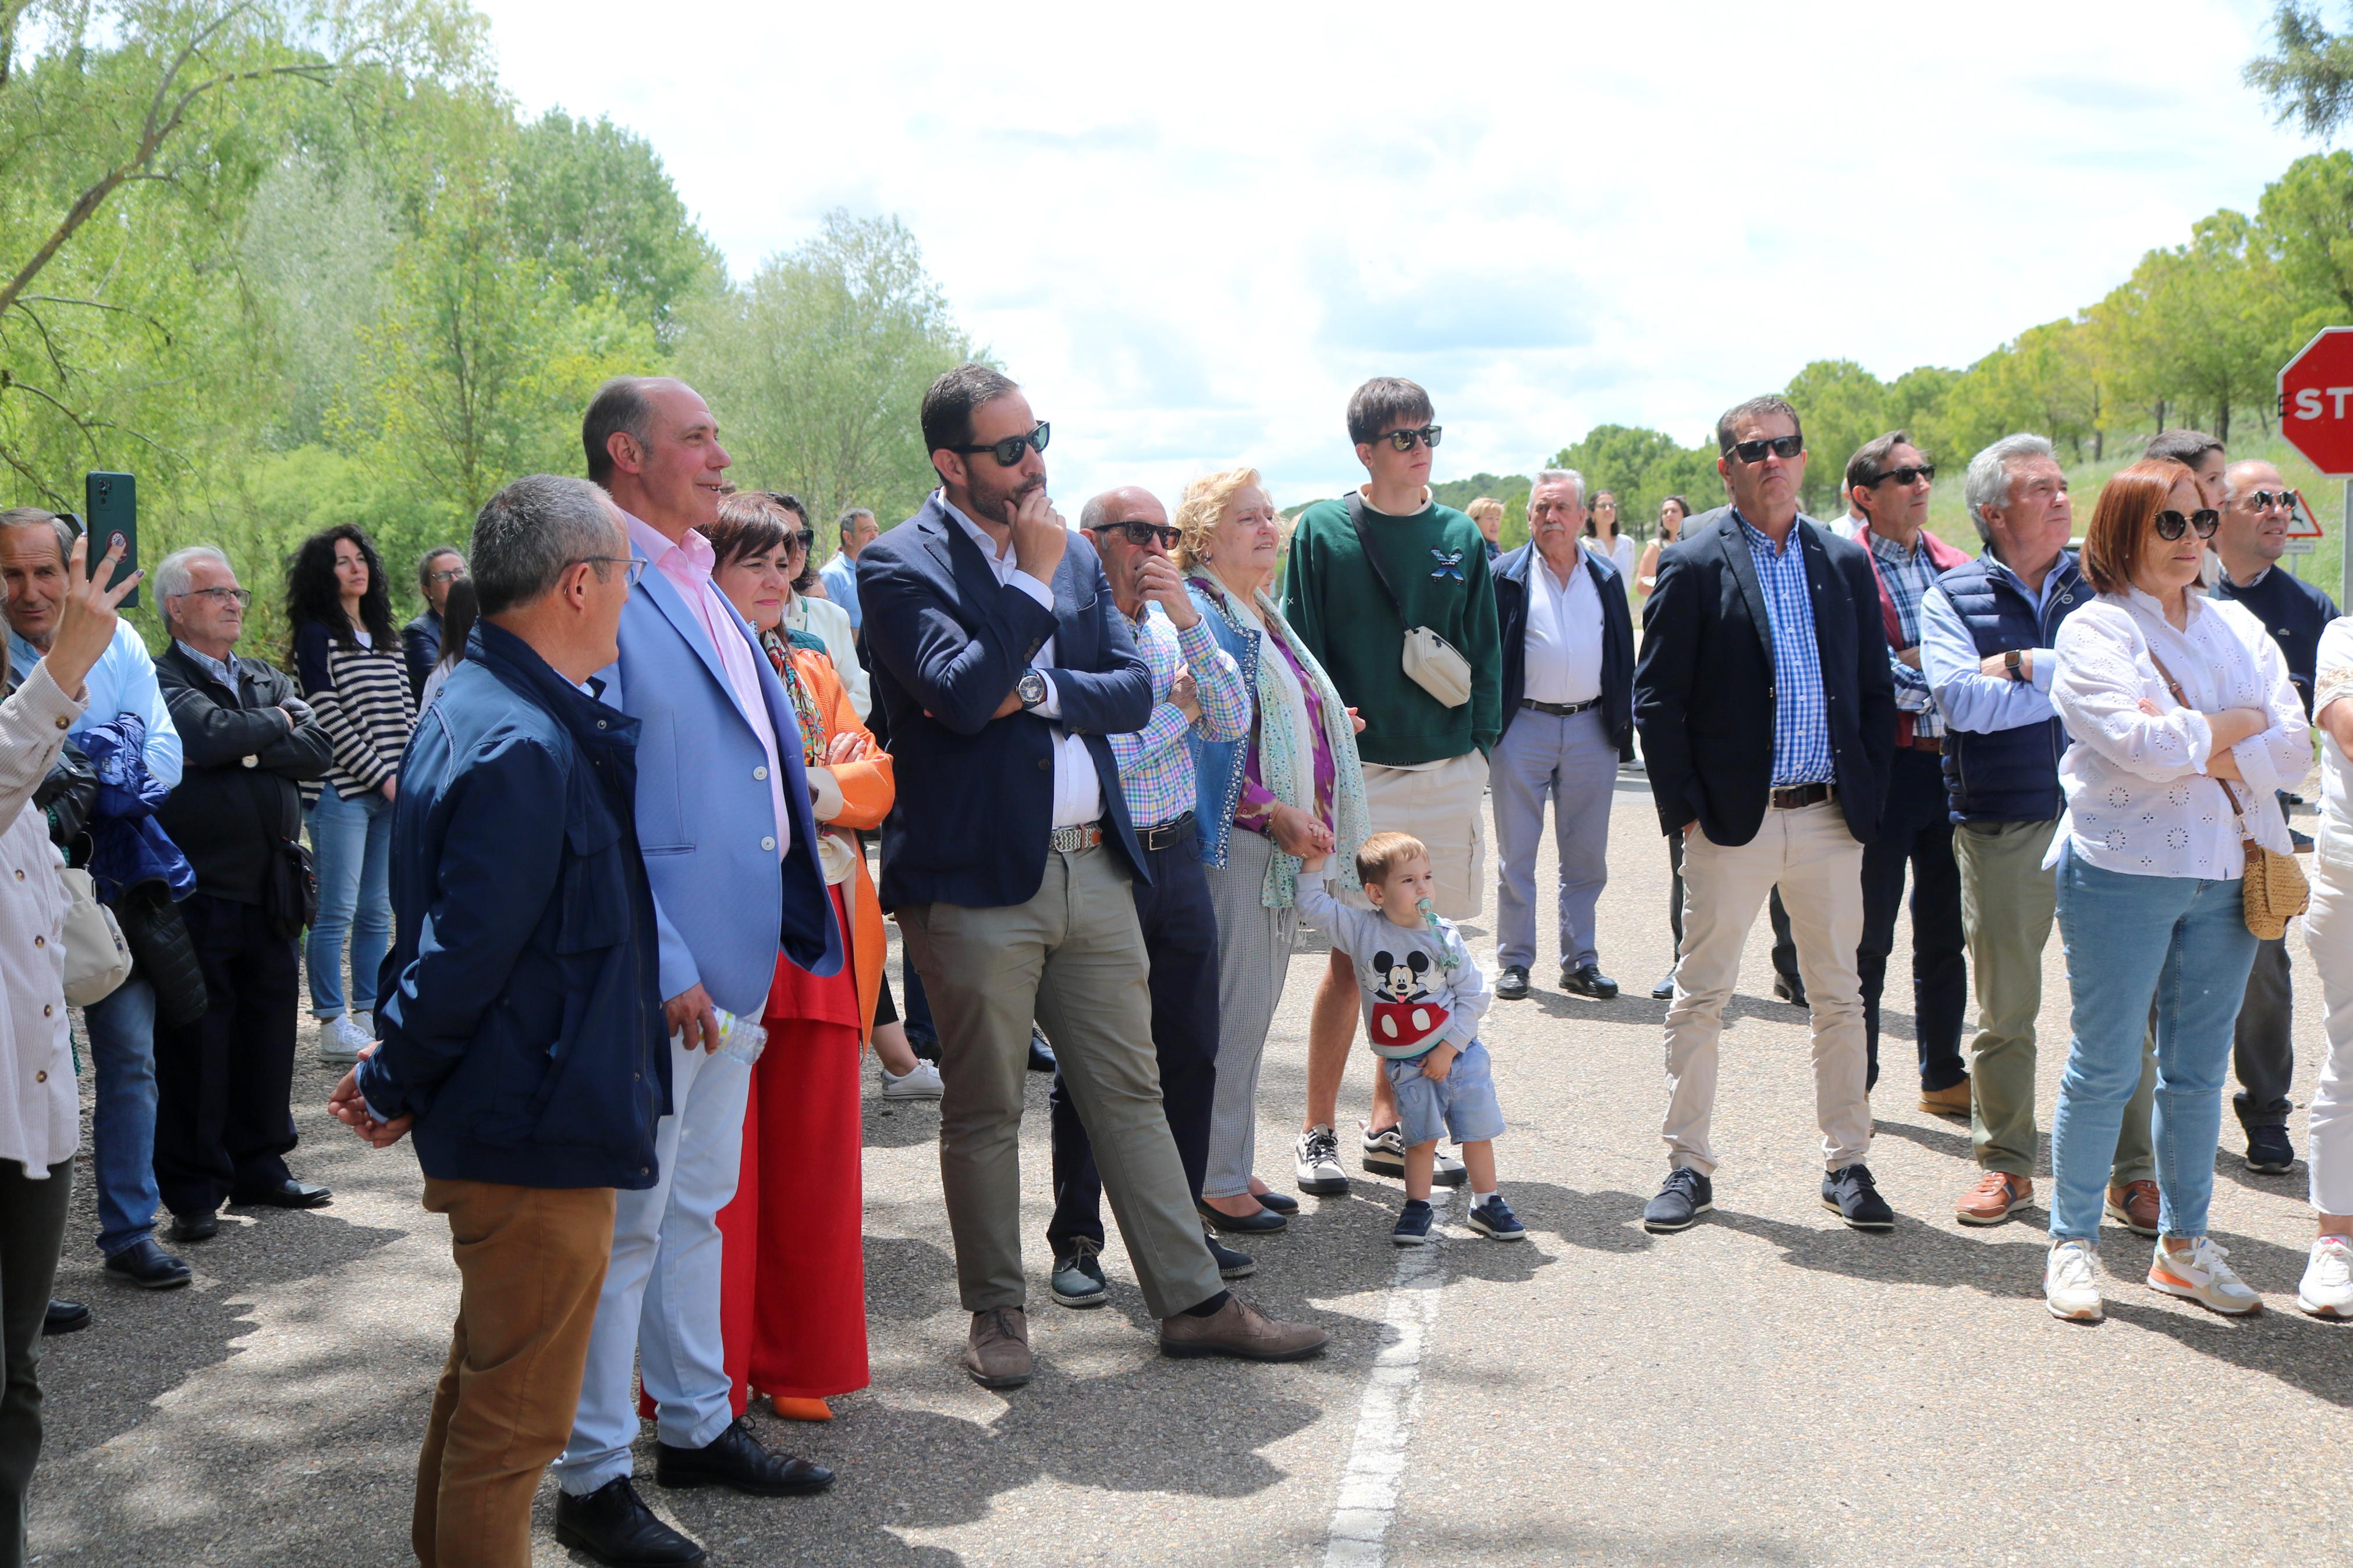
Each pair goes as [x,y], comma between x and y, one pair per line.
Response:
[1429,660]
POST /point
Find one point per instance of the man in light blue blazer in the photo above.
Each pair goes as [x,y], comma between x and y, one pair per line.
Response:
[730,848]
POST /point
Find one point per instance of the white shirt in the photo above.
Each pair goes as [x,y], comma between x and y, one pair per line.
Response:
[830,623]
[1078,792]
[1564,639]
[1622,553]
[2137,800]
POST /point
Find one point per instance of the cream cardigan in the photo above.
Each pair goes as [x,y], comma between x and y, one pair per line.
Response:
[41,1115]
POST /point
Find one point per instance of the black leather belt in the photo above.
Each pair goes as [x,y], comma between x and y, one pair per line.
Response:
[1560,709]
[1789,797]
[1168,835]
[1070,840]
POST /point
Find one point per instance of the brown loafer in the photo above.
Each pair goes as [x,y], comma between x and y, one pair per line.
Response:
[1997,1196]
[1235,1329]
[1953,1101]
[2133,1206]
[997,1353]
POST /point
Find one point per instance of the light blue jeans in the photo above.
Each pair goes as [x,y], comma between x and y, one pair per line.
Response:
[2183,943]
[351,841]
[122,1029]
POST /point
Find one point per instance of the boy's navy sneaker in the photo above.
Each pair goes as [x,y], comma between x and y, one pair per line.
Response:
[1413,1224]
[1079,1277]
[1494,1220]
[1850,1193]
[1683,1197]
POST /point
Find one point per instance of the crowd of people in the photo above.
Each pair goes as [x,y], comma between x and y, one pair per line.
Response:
[601,847]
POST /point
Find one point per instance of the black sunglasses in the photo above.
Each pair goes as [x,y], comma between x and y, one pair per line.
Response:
[2266,499]
[1143,533]
[1779,446]
[2172,524]
[1904,475]
[1008,452]
[802,541]
[1406,440]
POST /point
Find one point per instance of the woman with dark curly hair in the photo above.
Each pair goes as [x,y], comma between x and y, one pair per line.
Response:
[348,658]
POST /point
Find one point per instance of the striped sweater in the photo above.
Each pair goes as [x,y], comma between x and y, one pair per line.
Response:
[363,698]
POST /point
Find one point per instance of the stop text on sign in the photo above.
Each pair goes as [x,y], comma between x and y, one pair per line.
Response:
[2308,402]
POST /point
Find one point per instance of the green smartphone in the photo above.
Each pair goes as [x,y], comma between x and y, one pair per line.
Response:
[110,512]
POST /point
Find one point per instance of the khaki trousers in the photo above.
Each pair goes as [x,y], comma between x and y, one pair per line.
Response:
[1073,959]
[1810,855]
[2008,900]
[1443,804]
[529,1263]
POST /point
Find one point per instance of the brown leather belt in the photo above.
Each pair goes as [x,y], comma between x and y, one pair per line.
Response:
[1560,709]
[1934,743]
[1168,835]
[1070,840]
[1789,797]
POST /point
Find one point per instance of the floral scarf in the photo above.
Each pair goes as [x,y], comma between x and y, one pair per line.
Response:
[779,646]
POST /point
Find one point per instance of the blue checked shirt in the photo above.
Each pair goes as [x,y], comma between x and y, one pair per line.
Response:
[1908,575]
[1801,713]
[1156,762]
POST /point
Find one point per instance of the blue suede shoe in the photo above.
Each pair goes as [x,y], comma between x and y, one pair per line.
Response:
[1494,1220]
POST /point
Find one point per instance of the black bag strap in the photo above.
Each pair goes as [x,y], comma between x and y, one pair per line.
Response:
[1365,544]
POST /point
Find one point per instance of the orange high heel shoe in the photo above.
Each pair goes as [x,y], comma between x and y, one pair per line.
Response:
[801,1409]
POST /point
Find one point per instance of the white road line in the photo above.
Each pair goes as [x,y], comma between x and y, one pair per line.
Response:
[1368,1486]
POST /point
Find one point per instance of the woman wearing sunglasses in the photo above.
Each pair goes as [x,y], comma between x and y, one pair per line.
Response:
[808,610]
[2184,726]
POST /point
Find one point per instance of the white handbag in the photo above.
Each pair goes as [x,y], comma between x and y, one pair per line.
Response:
[96,958]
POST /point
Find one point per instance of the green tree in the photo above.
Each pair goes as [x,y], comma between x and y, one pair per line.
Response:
[1842,405]
[2310,80]
[594,204]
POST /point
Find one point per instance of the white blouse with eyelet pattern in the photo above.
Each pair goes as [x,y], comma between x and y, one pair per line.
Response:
[2138,801]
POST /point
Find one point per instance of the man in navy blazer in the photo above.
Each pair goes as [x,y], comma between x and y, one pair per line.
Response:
[1005,666]
[1568,721]
[730,847]
[1769,725]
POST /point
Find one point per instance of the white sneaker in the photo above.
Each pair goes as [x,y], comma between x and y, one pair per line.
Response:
[921,1083]
[1318,1163]
[336,1044]
[2200,1275]
[2071,1282]
[2327,1287]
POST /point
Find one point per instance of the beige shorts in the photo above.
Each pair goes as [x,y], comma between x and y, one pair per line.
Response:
[1444,806]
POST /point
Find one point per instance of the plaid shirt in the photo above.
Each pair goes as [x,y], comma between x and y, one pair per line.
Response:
[1156,762]
[1801,713]
[1908,573]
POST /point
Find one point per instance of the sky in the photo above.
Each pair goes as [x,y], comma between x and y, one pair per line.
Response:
[1190,231]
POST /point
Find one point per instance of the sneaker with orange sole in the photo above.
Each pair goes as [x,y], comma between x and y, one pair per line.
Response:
[2200,1275]
[1997,1196]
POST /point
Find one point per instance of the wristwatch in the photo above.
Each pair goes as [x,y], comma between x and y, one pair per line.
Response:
[2014,661]
[1030,688]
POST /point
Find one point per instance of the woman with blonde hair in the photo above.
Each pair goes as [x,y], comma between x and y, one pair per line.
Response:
[1488,513]
[1293,788]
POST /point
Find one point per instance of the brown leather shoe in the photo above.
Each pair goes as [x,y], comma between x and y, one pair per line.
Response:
[1953,1101]
[1235,1329]
[2133,1206]
[997,1353]
[1996,1197]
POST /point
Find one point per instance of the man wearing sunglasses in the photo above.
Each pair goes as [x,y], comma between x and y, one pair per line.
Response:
[2257,508]
[1889,481]
[1364,570]
[1010,861]
[1769,718]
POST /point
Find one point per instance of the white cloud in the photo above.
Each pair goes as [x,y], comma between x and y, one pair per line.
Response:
[1189,231]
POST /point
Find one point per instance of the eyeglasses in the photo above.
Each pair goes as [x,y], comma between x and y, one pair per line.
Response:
[1008,452]
[447,575]
[2172,524]
[1783,447]
[2266,499]
[632,567]
[1908,473]
[801,541]
[240,597]
[1406,440]
[1142,534]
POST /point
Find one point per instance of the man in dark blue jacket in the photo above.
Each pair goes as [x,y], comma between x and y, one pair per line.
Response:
[521,1011]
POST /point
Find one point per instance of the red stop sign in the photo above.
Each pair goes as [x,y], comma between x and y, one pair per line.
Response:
[2317,402]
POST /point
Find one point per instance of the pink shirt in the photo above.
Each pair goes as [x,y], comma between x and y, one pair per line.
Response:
[687,564]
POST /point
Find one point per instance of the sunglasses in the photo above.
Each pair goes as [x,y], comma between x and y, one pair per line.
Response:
[1908,473]
[1008,452]
[1142,534]
[1783,447]
[1406,440]
[2266,499]
[2172,524]
[803,541]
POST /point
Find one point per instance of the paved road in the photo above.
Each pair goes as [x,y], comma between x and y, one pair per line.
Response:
[1767,1388]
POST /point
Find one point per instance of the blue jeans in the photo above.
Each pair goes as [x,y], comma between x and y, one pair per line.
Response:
[2183,943]
[351,840]
[122,1027]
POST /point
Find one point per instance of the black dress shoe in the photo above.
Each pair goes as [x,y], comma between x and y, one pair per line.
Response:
[1512,985]
[1042,1055]
[735,1461]
[148,1266]
[1790,989]
[64,1317]
[288,1193]
[614,1525]
[201,1227]
[1266,1222]
[1587,980]
[1281,1203]
[1664,991]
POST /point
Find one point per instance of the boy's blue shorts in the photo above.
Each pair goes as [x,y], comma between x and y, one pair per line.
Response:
[1461,1103]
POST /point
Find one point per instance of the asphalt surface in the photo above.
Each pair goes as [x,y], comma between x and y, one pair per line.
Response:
[1767,1388]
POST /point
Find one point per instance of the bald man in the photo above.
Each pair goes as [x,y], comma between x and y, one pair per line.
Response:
[2256,510]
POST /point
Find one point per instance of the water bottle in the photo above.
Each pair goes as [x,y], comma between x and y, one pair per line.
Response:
[740,1039]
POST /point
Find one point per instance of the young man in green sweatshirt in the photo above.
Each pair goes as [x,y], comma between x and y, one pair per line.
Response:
[1425,759]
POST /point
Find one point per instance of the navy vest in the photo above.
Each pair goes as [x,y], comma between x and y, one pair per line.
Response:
[2008,775]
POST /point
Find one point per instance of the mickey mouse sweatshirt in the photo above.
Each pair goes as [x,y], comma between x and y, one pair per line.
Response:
[1418,983]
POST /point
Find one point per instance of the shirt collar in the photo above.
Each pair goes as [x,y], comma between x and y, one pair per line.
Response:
[2149,602]
[1757,536]
[1882,545]
[226,673]
[972,530]
[692,552]
[2237,586]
